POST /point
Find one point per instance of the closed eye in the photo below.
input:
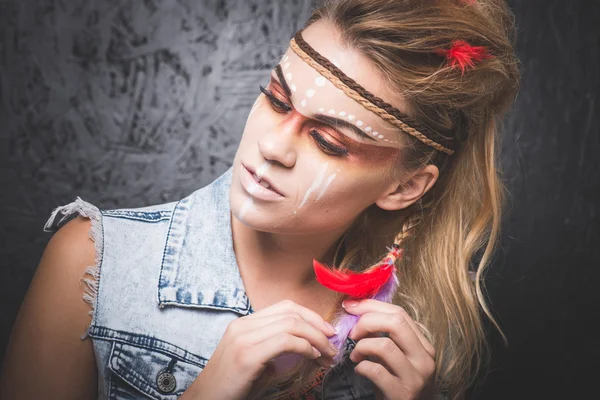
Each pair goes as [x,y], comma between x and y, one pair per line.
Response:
[283,107]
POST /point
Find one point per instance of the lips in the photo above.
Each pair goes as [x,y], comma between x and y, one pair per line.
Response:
[263,179]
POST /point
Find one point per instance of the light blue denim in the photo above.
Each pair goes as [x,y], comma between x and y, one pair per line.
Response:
[164,288]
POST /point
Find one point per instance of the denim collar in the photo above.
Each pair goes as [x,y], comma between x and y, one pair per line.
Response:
[199,267]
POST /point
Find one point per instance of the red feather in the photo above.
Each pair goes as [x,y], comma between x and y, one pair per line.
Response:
[463,55]
[355,284]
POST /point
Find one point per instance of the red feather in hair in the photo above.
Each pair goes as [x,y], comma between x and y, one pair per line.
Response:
[355,284]
[360,284]
[463,55]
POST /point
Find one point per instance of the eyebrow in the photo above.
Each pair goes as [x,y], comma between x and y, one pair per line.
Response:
[327,119]
[282,80]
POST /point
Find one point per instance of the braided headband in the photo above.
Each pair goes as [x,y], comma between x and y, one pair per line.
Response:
[366,98]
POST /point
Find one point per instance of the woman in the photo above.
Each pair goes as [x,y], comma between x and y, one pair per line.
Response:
[376,137]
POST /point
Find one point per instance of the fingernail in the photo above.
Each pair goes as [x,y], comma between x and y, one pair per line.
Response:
[349,303]
[317,352]
[331,327]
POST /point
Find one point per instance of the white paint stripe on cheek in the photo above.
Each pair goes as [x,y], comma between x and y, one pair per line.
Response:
[245,207]
[316,183]
[329,180]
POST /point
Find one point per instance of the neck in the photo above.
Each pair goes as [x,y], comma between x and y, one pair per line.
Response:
[283,259]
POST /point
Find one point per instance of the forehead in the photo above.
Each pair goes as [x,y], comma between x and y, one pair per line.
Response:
[313,94]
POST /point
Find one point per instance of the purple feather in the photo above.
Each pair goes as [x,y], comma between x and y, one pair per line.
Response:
[348,321]
[343,326]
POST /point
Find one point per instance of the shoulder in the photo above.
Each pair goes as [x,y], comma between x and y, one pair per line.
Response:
[72,246]
[50,322]
[57,278]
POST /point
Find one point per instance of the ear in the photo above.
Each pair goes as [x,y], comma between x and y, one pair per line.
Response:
[400,195]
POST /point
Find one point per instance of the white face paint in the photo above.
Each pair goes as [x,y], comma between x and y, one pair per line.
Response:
[330,179]
[319,94]
[322,190]
[316,183]
[249,202]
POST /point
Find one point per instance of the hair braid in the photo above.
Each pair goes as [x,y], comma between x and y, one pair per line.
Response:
[410,223]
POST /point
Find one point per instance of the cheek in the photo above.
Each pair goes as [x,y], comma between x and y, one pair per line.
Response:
[348,192]
[369,156]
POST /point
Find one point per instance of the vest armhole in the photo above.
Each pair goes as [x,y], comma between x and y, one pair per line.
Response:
[91,276]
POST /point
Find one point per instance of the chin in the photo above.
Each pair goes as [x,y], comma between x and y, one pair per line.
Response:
[260,219]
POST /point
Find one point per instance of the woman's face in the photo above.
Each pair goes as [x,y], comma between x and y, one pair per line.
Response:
[325,154]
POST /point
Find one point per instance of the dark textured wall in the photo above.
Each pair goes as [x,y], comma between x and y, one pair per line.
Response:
[129,103]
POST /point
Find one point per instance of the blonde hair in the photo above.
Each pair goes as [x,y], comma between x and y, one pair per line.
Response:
[455,226]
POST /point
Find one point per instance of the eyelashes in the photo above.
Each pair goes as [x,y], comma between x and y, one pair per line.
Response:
[281,106]
[275,101]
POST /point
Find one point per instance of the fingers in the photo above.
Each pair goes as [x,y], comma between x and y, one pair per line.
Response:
[384,351]
[389,385]
[397,328]
[245,324]
[290,306]
[291,324]
[287,343]
[403,320]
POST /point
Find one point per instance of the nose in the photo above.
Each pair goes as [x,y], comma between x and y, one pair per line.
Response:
[278,145]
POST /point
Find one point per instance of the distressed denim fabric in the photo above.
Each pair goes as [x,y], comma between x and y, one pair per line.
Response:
[164,288]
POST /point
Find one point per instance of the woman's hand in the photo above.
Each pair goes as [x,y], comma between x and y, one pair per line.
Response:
[251,342]
[401,366]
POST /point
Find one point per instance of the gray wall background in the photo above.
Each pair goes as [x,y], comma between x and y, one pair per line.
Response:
[130,103]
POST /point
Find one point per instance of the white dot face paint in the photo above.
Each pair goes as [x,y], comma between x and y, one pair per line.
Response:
[323,97]
[320,81]
[319,198]
[286,65]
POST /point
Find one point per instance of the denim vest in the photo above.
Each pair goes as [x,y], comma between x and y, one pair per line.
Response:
[165,286]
